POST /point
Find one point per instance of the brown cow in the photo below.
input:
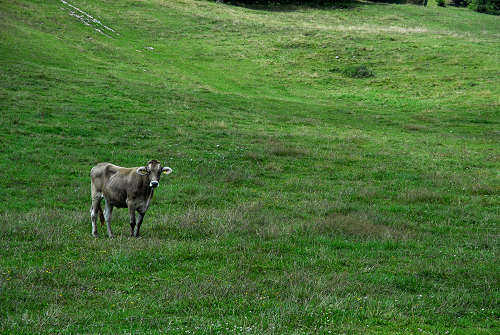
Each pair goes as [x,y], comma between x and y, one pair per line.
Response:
[121,187]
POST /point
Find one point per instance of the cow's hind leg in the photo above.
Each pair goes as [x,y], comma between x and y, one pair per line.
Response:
[93,217]
[95,210]
[108,211]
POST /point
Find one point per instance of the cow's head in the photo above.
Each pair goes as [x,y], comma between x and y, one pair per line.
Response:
[153,170]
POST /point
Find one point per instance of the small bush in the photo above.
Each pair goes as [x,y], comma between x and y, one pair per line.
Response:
[358,71]
[440,3]
[415,2]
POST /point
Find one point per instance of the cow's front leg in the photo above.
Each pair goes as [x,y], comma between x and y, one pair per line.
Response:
[107,216]
[139,222]
[131,212]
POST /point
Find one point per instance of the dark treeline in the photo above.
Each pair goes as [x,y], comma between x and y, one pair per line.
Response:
[482,6]
[303,2]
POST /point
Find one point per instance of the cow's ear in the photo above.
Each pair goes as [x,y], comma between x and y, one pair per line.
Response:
[142,171]
[166,170]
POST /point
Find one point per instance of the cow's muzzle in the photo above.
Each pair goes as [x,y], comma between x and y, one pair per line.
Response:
[154,184]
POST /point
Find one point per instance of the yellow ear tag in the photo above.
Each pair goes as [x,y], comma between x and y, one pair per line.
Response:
[142,172]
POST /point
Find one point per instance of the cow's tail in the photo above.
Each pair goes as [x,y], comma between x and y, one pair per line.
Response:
[101,214]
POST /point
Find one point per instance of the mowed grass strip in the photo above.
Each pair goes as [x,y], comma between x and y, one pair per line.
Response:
[335,170]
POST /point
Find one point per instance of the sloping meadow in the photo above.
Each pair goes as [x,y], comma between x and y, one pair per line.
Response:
[335,170]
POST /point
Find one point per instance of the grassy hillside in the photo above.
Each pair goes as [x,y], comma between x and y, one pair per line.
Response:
[306,197]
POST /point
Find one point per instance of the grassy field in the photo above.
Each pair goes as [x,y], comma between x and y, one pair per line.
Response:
[336,170]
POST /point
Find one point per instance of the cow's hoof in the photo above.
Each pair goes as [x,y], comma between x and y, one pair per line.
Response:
[111,236]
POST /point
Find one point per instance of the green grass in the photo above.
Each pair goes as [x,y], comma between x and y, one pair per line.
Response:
[305,198]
